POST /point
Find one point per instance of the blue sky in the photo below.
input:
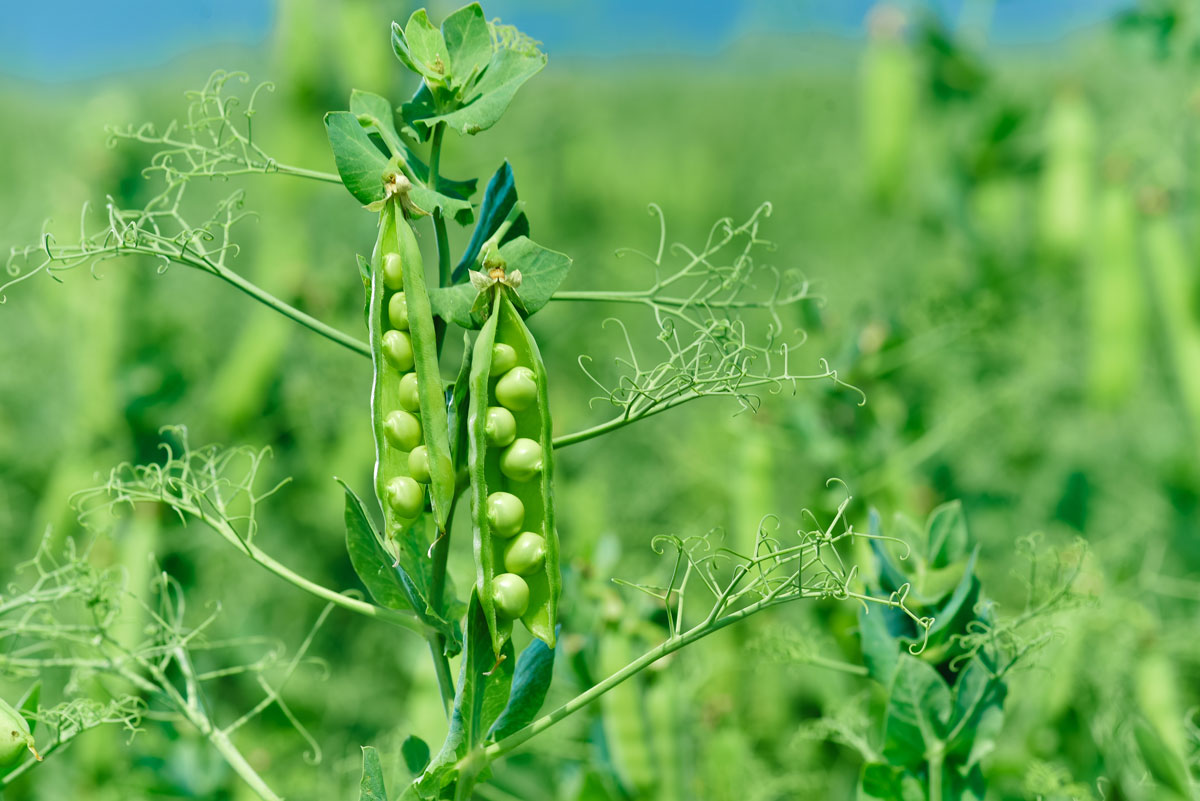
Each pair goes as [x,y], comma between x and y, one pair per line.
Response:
[73,40]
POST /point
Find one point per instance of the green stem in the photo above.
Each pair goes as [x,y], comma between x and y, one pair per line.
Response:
[266,298]
[519,737]
[395,616]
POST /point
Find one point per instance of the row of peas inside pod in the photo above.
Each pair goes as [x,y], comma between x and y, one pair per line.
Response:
[409,412]
[510,462]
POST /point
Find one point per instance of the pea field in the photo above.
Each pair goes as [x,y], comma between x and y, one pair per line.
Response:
[414,403]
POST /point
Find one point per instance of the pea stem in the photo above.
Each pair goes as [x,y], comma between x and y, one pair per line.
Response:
[408,621]
[701,630]
[306,320]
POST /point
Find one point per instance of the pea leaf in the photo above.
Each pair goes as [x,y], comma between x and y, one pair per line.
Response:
[486,100]
[531,682]
[460,210]
[978,697]
[483,688]
[888,783]
[918,711]
[498,200]
[420,46]
[416,754]
[881,651]
[468,43]
[375,114]
[371,787]
[947,535]
[542,272]
[398,583]
[359,162]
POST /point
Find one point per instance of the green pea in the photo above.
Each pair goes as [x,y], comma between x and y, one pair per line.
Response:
[524,553]
[511,594]
[517,389]
[522,460]
[418,464]
[405,496]
[15,737]
[406,395]
[500,427]
[403,430]
[398,350]
[398,311]
[393,271]
[505,513]
[504,358]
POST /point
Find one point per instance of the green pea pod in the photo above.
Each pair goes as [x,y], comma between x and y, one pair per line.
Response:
[512,464]
[401,346]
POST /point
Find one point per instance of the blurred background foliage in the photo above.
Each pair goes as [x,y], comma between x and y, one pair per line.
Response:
[1003,237]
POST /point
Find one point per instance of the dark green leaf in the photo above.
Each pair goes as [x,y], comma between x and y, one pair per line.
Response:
[400,582]
[469,43]
[881,651]
[420,107]
[890,576]
[979,697]
[952,618]
[359,162]
[918,712]
[887,783]
[416,754]
[531,682]
[483,689]
[371,787]
[498,200]
[947,535]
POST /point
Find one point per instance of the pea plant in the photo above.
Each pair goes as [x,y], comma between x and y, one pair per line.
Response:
[473,441]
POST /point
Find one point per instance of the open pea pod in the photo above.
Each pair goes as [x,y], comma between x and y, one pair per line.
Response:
[412,447]
[511,469]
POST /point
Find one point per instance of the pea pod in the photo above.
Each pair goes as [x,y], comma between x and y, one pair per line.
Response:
[15,737]
[511,468]
[407,406]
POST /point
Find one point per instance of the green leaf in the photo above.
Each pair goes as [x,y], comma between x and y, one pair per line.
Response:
[881,651]
[28,705]
[947,535]
[531,682]
[888,783]
[371,787]
[427,199]
[420,46]
[979,695]
[490,95]
[402,582]
[542,272]
[498,200]
[482,692]
[359,162]
[468,42]
[918,712]
[376,113]
[416,754]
